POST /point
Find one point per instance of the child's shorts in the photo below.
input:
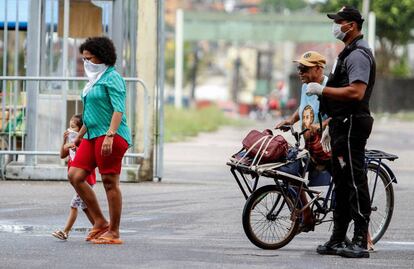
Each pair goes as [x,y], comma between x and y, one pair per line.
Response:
[88,155]
[77,202]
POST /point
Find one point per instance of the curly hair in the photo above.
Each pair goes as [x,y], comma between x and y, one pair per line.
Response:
[101,47]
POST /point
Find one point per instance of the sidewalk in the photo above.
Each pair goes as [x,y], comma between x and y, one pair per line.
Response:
[192,219]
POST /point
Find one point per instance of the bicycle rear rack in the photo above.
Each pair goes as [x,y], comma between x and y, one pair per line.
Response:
[378,154]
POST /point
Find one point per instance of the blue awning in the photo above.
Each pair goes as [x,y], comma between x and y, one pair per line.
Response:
[11,25]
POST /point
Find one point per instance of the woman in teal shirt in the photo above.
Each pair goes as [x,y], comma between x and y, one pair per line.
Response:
[106,137]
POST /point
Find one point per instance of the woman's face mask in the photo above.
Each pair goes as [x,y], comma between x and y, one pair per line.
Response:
[337,32]
[92,69]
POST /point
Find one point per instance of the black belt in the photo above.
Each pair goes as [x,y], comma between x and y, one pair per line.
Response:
[354,116]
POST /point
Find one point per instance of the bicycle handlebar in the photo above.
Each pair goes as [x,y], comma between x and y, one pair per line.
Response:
[296,135]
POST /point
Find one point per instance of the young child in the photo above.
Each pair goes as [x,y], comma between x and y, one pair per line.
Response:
[68,148]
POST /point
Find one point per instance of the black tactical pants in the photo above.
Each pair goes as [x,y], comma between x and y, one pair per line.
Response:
[352,202]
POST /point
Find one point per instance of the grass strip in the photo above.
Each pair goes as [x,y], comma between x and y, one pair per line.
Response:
[183,123]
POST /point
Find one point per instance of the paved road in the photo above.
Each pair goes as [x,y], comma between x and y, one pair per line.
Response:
[192,219]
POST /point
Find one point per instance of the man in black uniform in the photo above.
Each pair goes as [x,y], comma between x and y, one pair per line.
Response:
[346,100]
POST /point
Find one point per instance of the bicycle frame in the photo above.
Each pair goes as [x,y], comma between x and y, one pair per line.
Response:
[372,156]
[324,208]
[293,185]
[267,170]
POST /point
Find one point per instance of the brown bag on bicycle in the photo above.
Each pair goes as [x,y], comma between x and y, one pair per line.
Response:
[264,147]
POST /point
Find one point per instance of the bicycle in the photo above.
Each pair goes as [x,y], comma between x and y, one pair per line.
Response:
[273,213]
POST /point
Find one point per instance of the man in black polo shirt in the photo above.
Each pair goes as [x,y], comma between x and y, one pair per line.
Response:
[345,99]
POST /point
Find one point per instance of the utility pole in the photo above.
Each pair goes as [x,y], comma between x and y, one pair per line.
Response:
[179,55]
[33,69]
[196,57]
[371,19]
[147,70]
[365,8]
[236,79]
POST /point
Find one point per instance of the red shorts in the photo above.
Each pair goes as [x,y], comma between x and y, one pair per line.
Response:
[88,155]
[91,178]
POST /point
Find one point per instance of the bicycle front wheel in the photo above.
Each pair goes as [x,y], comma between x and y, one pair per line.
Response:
[267,218]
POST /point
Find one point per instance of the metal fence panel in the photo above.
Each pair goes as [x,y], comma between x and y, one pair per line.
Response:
[53,94]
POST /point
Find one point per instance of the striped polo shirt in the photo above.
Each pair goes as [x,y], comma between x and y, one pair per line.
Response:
[107,96]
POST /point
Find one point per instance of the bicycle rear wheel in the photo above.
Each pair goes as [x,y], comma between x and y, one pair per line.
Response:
[381,194]
[267,218]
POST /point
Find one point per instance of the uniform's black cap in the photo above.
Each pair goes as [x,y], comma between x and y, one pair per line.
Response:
[347,13]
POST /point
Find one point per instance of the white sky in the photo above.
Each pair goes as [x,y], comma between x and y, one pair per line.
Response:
[11,10]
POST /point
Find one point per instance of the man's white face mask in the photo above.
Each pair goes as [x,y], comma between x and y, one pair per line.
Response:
[337,32]
[91,69]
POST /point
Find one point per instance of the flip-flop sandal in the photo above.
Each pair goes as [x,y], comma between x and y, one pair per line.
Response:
[60,235]
[103,240]
[370,247]
[95,233]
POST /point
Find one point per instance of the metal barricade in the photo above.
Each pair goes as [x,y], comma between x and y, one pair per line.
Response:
[15,113]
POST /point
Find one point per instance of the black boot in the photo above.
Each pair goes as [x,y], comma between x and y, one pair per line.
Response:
[337,240]
[331,247]
[357,249]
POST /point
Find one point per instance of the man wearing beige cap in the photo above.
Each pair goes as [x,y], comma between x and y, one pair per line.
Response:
[310,69]
[345,98]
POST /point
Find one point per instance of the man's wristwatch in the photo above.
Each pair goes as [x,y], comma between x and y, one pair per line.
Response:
[110,133]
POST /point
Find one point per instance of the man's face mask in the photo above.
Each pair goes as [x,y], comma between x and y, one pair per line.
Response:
[337,32]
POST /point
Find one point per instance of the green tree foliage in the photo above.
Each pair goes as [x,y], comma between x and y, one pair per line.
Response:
[335,5]
[394,25]
[170,62]
[280,6]
[394,21]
